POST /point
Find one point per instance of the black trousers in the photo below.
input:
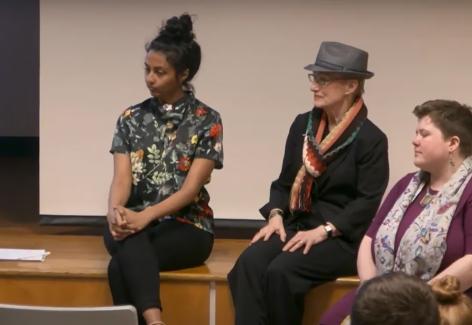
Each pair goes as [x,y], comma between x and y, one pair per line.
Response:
[268,286]
[133,272]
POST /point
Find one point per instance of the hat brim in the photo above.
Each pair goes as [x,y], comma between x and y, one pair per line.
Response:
[363,75]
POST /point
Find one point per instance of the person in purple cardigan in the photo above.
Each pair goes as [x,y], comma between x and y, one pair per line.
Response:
[424,226]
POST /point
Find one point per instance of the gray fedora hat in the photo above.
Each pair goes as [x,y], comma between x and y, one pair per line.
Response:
[341,58]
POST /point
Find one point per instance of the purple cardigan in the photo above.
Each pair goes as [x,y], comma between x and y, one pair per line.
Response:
[459,236]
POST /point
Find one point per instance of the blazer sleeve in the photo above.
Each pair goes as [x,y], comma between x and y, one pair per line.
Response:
[280,188]
[372,180]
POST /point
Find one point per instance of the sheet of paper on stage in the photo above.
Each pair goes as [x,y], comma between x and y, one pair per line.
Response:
[12,254]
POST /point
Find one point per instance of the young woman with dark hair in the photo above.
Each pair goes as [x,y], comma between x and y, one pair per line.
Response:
[164,151]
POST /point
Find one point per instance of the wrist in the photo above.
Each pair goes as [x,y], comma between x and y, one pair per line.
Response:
[147,214]
[112,209]
[328,230]
[275,212]
[110,216]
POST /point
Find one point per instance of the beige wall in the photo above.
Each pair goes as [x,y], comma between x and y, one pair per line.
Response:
[252,73]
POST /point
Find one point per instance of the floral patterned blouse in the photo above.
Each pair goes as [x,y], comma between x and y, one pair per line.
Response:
[162,141]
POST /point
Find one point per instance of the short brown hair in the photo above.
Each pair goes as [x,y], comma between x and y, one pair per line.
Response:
[395,299]
[452,118]
[455,308]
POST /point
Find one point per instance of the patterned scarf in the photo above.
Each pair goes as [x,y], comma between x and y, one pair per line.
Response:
[423,245]
[317,155]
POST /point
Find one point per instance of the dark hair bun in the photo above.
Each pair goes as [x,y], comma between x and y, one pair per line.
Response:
[447,290]
[177,30]
[176,41]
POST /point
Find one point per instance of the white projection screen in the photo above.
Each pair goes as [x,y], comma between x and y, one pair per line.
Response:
[91,69]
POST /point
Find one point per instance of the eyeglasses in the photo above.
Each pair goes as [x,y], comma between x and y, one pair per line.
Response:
[321,80]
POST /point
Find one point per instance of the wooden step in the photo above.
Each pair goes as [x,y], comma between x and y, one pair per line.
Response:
[74,274]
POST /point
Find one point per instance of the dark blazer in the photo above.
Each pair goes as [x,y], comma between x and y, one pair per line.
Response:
[348,193]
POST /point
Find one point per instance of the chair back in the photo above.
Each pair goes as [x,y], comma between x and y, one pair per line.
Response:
[33,315]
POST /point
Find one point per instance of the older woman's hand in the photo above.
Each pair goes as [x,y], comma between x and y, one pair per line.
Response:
[275,225]
[306,239]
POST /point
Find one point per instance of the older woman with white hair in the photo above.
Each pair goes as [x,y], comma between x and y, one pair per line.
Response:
[334,173]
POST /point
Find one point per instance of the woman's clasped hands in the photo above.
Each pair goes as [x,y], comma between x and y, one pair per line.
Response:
[124,222]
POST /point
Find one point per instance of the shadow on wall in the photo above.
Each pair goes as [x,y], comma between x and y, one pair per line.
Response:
[19,185]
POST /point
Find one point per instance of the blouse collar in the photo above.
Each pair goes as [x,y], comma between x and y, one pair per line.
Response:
[173,113]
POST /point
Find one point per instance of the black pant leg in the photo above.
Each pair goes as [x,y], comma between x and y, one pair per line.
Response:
[246,280]
[138,259]
[140,269]
[116,282]
[117,285]
[180,245]
[291,275]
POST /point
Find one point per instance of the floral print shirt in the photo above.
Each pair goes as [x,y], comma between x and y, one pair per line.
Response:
[162,141]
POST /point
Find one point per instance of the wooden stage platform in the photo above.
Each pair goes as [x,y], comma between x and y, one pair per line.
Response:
[74,274]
